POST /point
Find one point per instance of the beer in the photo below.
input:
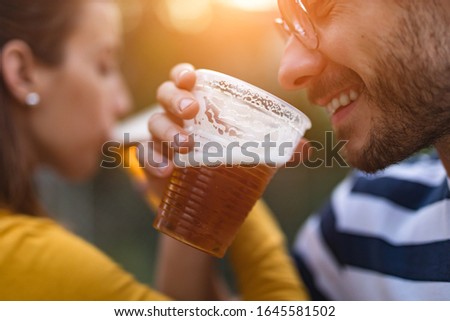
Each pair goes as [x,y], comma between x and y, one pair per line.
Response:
[205,206]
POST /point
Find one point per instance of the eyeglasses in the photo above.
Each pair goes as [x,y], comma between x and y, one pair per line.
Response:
[295,20]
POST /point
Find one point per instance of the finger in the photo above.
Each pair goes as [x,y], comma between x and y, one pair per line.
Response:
[303,147]
[176,101]
[184,76]
[158,147]
[300,154]
[163,128]
[153,162]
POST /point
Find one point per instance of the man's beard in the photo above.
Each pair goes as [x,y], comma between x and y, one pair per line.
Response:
[412,89]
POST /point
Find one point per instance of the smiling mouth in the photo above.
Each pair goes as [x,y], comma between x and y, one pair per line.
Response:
[340,100]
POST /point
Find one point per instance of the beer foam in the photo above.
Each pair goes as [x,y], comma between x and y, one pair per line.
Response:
[245,123]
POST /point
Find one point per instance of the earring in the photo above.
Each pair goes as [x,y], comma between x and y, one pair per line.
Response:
[32,99]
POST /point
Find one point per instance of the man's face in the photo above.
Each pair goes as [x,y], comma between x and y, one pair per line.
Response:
[382,69]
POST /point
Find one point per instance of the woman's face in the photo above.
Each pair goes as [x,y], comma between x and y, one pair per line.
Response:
[82,98]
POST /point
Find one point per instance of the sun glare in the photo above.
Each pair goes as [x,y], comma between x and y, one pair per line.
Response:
[195,16]
[191,16]
[251,5]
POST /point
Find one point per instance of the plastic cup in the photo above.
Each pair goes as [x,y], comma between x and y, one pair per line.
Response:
[243,134]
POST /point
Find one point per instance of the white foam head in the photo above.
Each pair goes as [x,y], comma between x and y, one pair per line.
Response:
[239,123]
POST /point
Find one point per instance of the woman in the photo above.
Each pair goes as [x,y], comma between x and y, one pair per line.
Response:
[61,93]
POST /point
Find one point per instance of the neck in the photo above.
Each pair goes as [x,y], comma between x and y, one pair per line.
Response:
[17,162]
[24,139]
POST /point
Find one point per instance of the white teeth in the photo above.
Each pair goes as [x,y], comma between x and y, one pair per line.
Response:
[353,95]
[336,103]
[343,100]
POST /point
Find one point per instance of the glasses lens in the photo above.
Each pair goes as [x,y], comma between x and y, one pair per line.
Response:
[296,18]
[283,28]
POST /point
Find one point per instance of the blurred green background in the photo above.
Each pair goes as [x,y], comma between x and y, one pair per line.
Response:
[235,37]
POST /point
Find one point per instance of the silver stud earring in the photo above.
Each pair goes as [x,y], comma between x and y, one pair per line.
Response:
[32,99]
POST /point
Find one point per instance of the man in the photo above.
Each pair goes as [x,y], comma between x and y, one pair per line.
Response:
[382,70]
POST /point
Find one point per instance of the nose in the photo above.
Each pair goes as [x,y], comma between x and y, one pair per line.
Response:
[299,65]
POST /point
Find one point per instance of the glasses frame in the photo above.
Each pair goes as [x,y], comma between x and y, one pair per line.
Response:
[295,20]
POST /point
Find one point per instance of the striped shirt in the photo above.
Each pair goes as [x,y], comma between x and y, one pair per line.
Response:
[381,237]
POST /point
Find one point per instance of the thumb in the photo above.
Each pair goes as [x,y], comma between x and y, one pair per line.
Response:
[300,154]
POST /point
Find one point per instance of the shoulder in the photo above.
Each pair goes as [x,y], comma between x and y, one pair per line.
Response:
[426,169]
[384,227]
[28,231]
[42,260]
[412,184]
[36,236]
[404,204]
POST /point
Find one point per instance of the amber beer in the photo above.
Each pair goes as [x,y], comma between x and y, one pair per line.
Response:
[205,206]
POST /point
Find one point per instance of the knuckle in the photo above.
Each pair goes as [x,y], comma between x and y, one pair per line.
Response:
[156,117]
[169,133]
[163,90]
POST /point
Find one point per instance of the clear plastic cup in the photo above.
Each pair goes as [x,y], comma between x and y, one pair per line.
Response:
[243,134]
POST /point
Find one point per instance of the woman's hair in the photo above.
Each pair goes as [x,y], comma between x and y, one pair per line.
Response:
[44,25]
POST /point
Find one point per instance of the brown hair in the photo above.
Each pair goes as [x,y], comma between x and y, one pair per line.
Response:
[44,25]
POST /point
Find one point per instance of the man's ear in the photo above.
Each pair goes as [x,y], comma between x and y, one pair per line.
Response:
[18,67]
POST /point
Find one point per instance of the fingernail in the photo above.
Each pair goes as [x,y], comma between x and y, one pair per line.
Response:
[182,73]
[183,138]
[185,103]
[180,140]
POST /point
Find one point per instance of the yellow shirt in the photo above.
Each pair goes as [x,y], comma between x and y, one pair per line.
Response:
[40,260]
[262,265]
